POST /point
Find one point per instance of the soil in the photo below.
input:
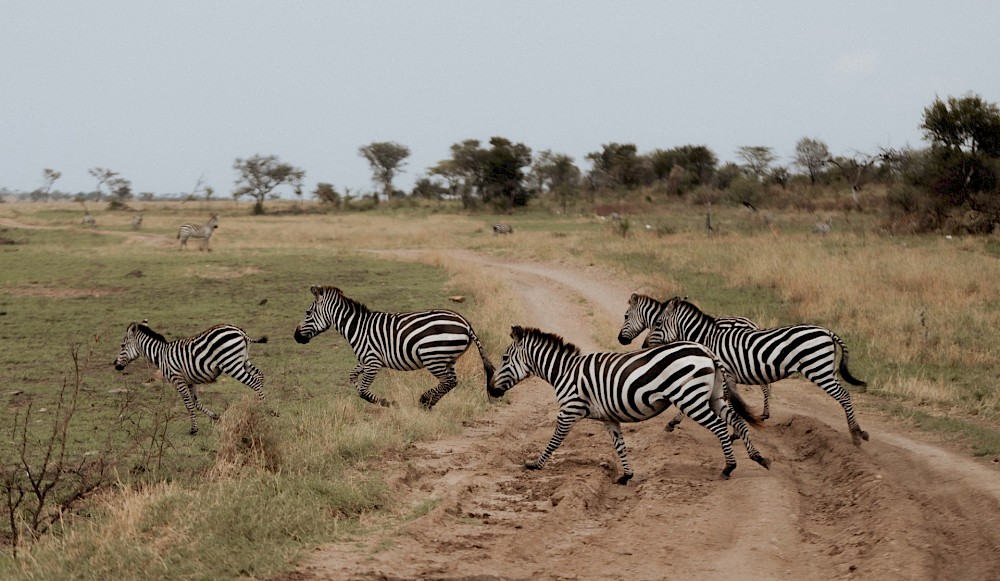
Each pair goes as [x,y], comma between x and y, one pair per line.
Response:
[898,507]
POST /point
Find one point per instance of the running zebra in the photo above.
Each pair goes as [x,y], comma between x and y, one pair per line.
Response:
[137,221]
[403,341]
[190,362]
[499,229]
[195,231]
[764,356]
[89,221]
[643,311]
[627,387]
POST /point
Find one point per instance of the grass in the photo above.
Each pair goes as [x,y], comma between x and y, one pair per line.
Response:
[240,499]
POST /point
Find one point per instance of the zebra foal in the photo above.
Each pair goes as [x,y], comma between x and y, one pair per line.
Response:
[642,313]
[763,356]
[432,339]
[187,363]
[195,231]
[627,387]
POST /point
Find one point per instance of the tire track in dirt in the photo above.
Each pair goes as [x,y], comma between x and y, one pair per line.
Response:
[894,509]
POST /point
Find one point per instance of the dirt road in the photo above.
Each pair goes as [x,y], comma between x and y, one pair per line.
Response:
[896,508]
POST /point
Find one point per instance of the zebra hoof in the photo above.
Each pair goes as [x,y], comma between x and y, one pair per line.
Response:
[765,415]
[274,413]
[727,471]
[670,427]
[624,478]
[532,466]
[193,431]
[762,461]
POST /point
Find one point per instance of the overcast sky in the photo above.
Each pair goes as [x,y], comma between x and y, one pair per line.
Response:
[167,93]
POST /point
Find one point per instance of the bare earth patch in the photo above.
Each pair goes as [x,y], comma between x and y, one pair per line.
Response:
[896,508]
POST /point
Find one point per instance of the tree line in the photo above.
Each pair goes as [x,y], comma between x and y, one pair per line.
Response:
[958,174]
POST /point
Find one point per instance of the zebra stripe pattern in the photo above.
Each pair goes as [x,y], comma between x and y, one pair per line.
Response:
[627,387]
[643,311]
[499,229]
[196,360]
[195,231]
[432,339]
[763,356]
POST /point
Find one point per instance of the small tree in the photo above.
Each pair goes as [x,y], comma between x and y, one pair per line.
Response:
[49,177]
[260,175]
[557,174]
[811,155]
[103,177]
[757,159]
[386,161]
[327,194]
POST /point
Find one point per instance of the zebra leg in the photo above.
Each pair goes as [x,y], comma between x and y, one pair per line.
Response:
[615,429]
[190,401]
[701,412]
[447,380]
[674,422]
[366,379]
[564,422]
[741,429]
[250,376]
[353,377]
[830,385]
[766,388]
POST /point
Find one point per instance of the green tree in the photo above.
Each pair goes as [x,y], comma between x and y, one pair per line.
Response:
[503,173]
[617,165]
[49,177]
[386,161]
[557,174]
[757,159]
[327,194]
[260,175]
[811,155]
[103,177]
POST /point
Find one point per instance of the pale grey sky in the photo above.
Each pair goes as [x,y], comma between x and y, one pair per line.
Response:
[165,93]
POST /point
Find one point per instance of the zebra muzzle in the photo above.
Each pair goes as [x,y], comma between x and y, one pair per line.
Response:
[300,337]
[623,339]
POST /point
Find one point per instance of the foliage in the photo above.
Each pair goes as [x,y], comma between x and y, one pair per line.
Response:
[386,161]
[260,175]
[327,194]
[811,155]
[698,163]
[617,165]
[557,174]
[757,159]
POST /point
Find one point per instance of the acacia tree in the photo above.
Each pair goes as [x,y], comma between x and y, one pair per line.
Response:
[260,175]
[811,155]
[49,177]
[386,161]
[556,173]
[757,159]
[616,165]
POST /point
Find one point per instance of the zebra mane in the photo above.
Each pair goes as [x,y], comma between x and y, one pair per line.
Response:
[679,303]
[354,304]
[552,340]
[145,330]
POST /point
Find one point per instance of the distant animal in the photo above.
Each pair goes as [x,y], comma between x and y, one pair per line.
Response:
[763,356]
[195,231]
[642,313]
[502,229]
[89,221]
[627,387]
[187,363]
[431,339]
[137,221]
[823,228]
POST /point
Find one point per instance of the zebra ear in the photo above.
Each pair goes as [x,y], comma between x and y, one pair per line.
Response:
[516,332]
[316,290]
[633,298]
[145,323]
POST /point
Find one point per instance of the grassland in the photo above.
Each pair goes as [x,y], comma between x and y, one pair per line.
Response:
[920,315]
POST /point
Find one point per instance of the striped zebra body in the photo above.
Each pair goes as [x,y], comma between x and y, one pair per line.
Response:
[194,361]
[627,387]
[89,221]
[643,312]
[137,221]
[195,231]
[499,229]
[763,356]
[432,339]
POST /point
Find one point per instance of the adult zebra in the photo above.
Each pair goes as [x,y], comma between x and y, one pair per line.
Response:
[765,355]
[195,231]
[500,228]
[193,361]
[627,387]
[431,339]
[643,311]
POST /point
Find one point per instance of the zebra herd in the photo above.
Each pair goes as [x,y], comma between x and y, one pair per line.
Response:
[690,360]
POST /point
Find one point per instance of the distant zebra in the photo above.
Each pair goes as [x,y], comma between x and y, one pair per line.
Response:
[766,355]
[195,231]
[89,221]
[431,339]
[190,362]
[627,387]
[137,221]
[499,229]
[823,228]
[643,311]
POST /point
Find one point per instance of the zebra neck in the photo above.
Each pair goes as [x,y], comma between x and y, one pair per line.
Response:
[554,369]
[154,350]
[350,322]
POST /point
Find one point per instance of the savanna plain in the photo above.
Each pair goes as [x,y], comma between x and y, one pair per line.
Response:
[334,487]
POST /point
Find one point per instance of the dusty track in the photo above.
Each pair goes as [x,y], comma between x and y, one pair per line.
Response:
[896,508]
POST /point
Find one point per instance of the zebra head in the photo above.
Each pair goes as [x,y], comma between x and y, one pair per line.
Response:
[514,364]
[665,328]
[317,317]
[213,222]
[130,346]
[642,310]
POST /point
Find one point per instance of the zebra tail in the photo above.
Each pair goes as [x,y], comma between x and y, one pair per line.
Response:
[844,372]
[488,367]
[735,401]
[260,340]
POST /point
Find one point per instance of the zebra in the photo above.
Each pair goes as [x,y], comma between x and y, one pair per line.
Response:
[88,221]
[499,229]
[766,355]
[627,387]
[823,228]
[432,339]
[642,313]
[195,231]
[137,221]
[197,360]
